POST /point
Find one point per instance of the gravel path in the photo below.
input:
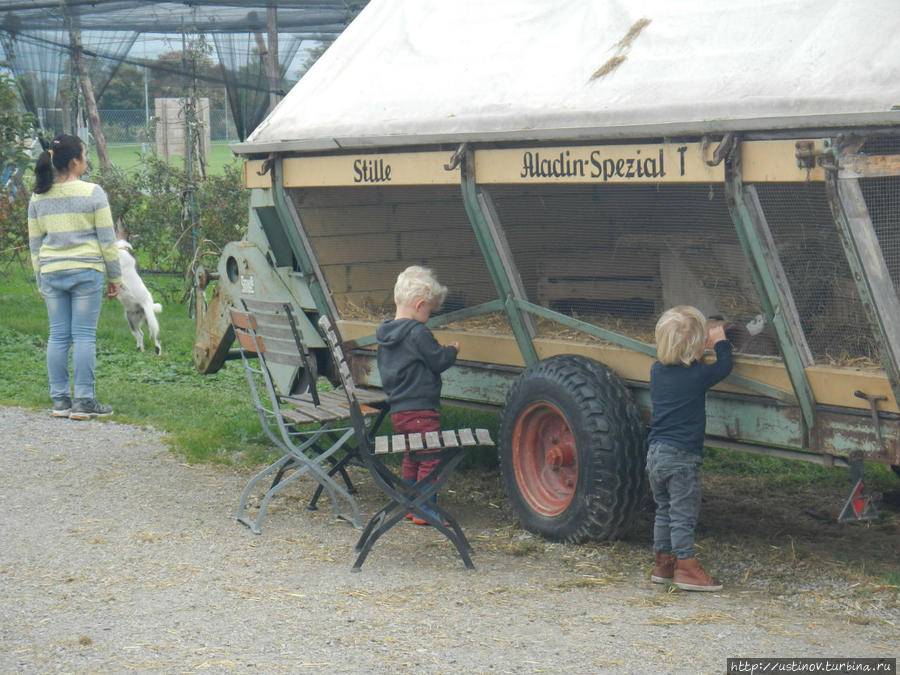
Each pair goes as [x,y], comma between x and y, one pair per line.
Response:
[117,556]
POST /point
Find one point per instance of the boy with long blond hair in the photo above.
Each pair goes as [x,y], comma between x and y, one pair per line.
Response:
[679,381]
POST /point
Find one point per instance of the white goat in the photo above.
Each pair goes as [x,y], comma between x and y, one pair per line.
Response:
[136,299]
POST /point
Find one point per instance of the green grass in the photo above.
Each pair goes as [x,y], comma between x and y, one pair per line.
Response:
[786,473]
[127,156]
[208,417]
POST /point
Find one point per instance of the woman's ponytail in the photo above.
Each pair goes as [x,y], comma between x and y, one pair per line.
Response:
[43,173]
[63,149]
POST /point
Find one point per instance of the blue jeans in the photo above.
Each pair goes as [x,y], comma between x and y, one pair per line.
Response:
[73,298]
[675,481]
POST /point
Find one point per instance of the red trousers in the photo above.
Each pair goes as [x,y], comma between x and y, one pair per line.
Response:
[411,422]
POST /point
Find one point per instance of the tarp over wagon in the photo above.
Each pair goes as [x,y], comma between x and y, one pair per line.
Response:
[421,71]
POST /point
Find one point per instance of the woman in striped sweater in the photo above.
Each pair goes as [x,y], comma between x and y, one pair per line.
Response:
[73,242]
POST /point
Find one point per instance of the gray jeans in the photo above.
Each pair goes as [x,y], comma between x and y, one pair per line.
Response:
[675,480]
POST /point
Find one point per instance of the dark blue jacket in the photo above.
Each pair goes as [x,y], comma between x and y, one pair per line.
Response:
[678,394]
[410,362]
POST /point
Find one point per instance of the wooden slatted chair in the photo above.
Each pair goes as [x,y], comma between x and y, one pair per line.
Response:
[313,430]
[446,446]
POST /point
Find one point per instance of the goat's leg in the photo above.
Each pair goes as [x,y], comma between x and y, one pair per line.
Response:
[153,327]
[134,323]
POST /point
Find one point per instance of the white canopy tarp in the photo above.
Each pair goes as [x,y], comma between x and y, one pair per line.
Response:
[423,71]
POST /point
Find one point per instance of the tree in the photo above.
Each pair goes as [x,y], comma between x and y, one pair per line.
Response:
[315,53]
[87,91]
[125,90]
[173,73]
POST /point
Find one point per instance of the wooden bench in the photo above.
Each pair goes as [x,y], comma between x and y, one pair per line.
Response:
[432,440]
[313,429]
[448,447]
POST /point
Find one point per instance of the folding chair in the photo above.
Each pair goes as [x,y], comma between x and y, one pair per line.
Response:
[267,334]
[448,447]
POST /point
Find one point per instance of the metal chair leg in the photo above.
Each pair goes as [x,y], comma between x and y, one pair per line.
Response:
[405,499]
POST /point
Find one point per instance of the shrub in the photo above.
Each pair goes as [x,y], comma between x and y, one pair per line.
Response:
[152,205]
[16,129]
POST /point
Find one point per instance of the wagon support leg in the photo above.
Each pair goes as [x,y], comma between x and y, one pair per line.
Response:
[859,504]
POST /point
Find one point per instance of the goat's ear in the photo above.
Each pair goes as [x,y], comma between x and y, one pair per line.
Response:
[121,232]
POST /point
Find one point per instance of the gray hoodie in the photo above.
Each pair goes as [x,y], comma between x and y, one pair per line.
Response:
[410,362]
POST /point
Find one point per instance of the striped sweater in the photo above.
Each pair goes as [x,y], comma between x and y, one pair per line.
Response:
[70,227]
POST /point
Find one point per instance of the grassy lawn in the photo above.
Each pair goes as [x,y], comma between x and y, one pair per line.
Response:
[208,417]
[127,156]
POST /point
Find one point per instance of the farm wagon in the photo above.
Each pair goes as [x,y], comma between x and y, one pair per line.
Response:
[570,170]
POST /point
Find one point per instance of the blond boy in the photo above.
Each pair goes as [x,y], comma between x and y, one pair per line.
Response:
[410,362]
[679,381]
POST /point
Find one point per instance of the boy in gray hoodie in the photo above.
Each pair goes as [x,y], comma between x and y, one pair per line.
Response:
[410,361]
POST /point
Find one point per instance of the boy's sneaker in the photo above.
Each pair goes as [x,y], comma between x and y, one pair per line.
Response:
[690,576]
[89,408]
[663,568]
[61,407]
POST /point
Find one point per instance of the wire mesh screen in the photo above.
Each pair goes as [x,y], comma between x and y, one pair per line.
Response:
[617,256]
[38,70]
[816,267]
[245,79]
[881,145]
[882,197]
[363,237]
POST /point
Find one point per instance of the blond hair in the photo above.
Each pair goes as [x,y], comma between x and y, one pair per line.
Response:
[680,335]
[418,283]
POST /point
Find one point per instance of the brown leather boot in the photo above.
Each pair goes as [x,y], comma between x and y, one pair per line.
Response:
[663,568]
[690,576]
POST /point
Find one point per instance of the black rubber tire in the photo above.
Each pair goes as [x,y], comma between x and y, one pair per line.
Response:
[610,442]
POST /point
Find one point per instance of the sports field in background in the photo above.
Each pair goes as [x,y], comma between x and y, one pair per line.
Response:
[127,156]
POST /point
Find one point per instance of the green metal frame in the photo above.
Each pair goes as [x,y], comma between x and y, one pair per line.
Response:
[630,343]
[492,255]
[785,414]
[443,319]
[870,273]
[777,303]
[518,309]
[299,245]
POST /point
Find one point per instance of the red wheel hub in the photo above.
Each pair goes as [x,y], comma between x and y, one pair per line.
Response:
[545,459]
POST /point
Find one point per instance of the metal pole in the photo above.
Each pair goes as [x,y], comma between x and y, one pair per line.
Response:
[146,99]
[146,144]
[273,67]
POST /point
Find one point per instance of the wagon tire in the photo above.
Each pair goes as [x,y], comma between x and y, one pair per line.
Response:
[572,450]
